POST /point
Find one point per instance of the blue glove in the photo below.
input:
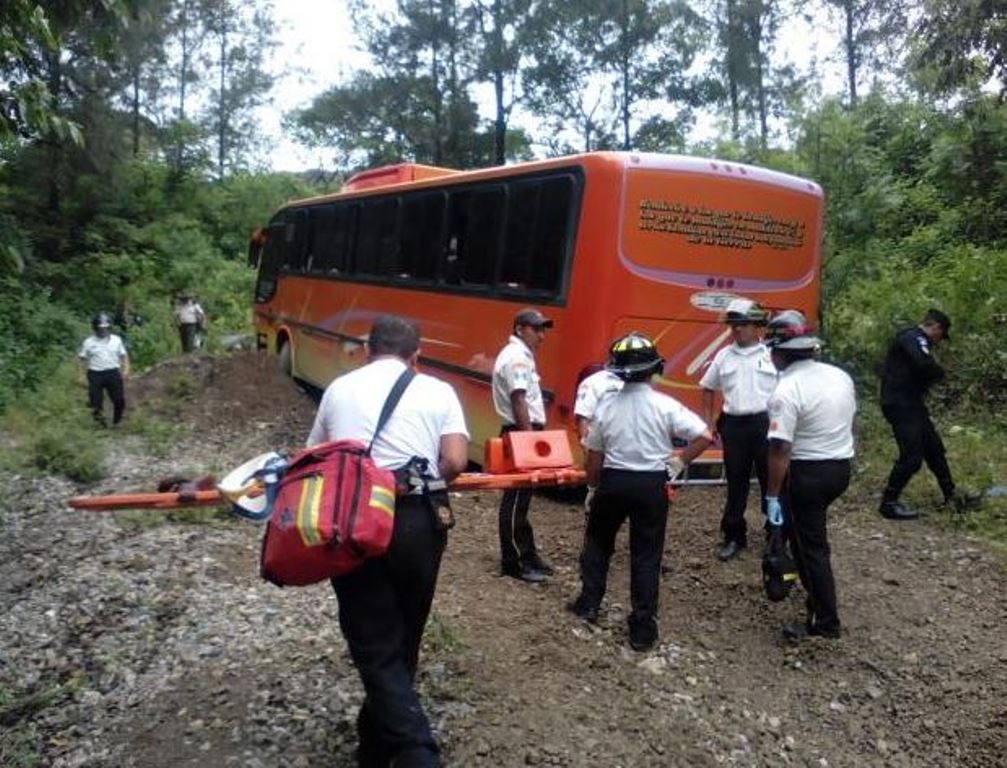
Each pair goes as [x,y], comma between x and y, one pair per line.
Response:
[774,512]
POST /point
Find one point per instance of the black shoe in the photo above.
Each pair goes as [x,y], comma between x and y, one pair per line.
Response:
[961,502]
[583,610]
[798,631]
[642,634]
[731,549]
[896,510]
[536,562]
[524,573]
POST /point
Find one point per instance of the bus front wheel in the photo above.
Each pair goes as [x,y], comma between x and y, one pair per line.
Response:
[285,358]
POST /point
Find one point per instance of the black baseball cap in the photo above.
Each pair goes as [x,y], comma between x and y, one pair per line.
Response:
[939,318]
[531,316]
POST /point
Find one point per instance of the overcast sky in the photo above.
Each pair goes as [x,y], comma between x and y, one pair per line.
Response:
[318,48]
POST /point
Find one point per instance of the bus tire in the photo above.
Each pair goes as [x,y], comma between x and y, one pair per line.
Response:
[285,355]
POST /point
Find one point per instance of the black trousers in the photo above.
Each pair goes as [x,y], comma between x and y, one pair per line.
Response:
[918,441]
[100,382]
[517,539]
[810,488]
[640,496]
[383,608]
[187,335]
[745,445]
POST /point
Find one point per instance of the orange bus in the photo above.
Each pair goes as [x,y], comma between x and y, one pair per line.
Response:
[603,243]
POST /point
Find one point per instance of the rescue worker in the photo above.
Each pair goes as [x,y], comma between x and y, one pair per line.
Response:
[384,603]
[589,392]
[190,319]
[909,371]
[517,398]
[629,453]
[810,446]
[105,363]
[743,372]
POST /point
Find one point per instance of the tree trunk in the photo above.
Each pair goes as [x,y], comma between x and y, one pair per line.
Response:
[732,67]
[500,127]
[136,110]
[851,53]
[624,63]
[222,98]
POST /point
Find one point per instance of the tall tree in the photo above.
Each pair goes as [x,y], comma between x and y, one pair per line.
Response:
[143,58]
[502,28]
[961,43]
[244,39]
[872,34]
[562,86]
[26,105]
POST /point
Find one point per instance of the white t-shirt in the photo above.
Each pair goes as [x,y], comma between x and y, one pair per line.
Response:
[189,313]
[514,370]
[591,389]
[428,410]
[813,408]
[102,354]
[634,427]
[745,375]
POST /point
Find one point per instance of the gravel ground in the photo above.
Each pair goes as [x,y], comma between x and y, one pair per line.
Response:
[142,639]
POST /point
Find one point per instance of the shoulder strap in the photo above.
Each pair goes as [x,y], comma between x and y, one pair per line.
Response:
[390,402]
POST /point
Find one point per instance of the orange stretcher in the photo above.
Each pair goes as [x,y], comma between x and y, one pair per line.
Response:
[469,481]
[518,460]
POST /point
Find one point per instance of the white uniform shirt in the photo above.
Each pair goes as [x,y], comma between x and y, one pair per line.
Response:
[514,370]
[634,428]
[812,408]
[189,313]
[745,375]
[102,354]
[591,389]
[428,410]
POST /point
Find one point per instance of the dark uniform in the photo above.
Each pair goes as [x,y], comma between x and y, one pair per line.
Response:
[630,441]
[384,602]
[909,371]
[811,443]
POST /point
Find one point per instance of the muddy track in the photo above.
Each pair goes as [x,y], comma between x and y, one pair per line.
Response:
[127,643]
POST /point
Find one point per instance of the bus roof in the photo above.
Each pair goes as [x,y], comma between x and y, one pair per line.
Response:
[414,175]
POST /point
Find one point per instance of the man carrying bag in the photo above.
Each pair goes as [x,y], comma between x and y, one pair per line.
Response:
[385,601]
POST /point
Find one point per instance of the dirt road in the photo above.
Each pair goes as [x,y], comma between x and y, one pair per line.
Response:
[126,640]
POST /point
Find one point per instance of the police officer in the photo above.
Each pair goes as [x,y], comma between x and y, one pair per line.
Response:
[384,602]
[105,362]
[517,398]
[629,450]
[810,446]
[909,371]
[744,373]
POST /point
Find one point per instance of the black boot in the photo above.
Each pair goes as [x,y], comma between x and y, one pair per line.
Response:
[896,510]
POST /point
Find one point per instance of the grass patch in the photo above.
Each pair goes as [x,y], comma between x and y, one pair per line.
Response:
[158,435]
[53,432]
[441,637]
[976,445]
[144,519]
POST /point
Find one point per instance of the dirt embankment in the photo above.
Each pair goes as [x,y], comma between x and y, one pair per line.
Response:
[129,643]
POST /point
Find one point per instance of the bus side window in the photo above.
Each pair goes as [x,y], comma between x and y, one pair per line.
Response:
[378,242]
[272,260]
[329,246]
[295,240]
[538,214]
[420,235]
[473,236]
[552,234]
